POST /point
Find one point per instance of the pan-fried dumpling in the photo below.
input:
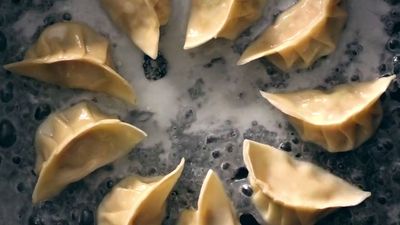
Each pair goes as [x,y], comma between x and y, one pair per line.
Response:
[300,35]
[73,55]
[141,20]
[72,143]
[338,120]
[220,18]
[293,192]
[138,200]
[214,206]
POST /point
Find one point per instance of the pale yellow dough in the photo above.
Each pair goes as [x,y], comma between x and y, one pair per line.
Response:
[72,143]
[141,20]
[138,200]
[73,55]
[214,206]
[220,18]
[338,120]
[293,192]
[304,33]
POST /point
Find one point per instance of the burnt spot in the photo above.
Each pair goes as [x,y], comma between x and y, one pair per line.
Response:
[155,69]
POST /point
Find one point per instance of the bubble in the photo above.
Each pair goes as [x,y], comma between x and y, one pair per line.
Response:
[393,45]
[7,92]
[225,166]
[8,134]
[42,111]
[215,154]
[246,190]
[286,146]
[382,68]
[35,220]
[248,219]
[16,160]
[67,16]
[20,187]
[86,217]
[110,184]
[241,173]
[295,141]
[210,139]
[3,42]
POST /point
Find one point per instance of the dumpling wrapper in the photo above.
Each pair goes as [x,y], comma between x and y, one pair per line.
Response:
[220,18]
[214,206]
[138,200]
[292,192]
[73,55]
[301,35]
[141,20]
[72,143]
[338,120]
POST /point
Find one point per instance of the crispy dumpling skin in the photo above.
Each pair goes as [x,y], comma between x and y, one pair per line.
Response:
[141,20]
[138,200]
[214,206]
[301,35]
[292,192]
[338,120]
[73,55]
[220,18]
[72,143]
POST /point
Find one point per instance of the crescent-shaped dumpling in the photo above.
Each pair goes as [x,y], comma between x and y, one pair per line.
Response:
[220,18]
[214,206]
[293,192]
[300,35]
[141,20]
[340,119]
[72,143]
[138,200]
[73,55]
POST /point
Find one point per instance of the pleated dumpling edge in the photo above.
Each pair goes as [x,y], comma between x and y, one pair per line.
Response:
[141,20]
[302,34]
[308,105]
[338,120]
[73,55]
[286,189]
[72,143]
[138,200]
[225,18]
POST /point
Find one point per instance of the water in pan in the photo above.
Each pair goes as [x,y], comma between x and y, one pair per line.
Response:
[201,110]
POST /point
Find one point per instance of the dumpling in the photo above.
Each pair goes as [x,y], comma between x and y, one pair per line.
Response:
[141,20]
[338,120]
[73,55]
[138,200]
[220,18]
[292,192]
[301,35]
[72,143]
[214,206]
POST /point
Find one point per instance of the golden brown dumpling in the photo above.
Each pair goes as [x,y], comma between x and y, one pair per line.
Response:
[72,143]
[338,120]
[138,200]
[293,192]
[73,55]
[300,35]
[214,206]
[141,20]
[220,18]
